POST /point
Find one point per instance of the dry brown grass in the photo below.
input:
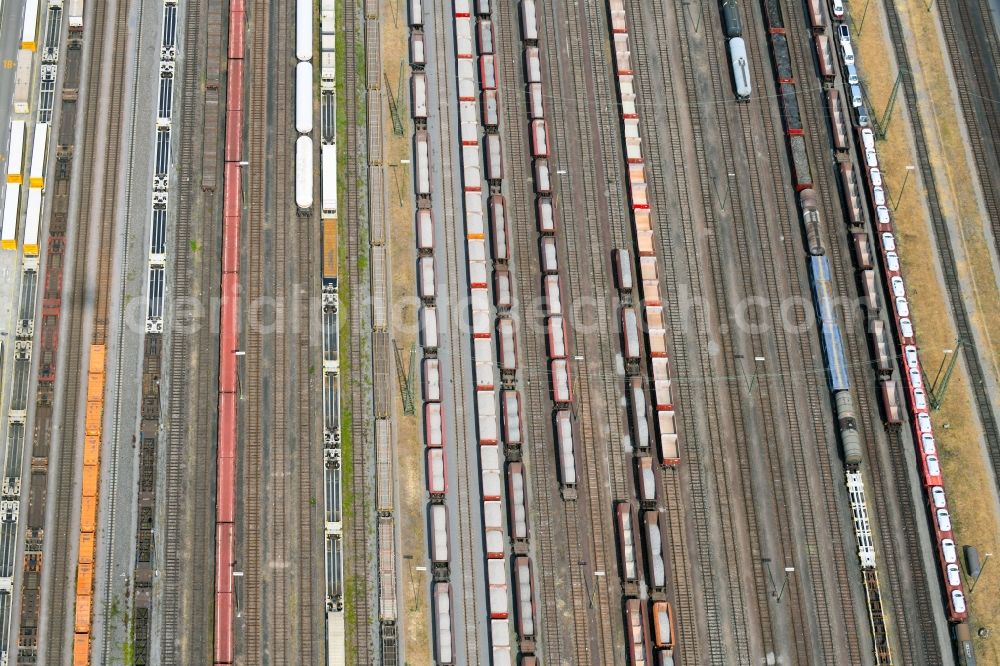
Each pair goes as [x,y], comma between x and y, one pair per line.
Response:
[957,429]
[412,499]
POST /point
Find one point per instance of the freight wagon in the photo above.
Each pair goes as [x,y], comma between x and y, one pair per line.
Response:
[740,69]
[444,642]
[524,597]
[838,121]
[565,452]
[517,502]
[635,633]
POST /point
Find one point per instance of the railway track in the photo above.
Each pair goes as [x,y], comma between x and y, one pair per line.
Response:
[185,616]
[359,547]
[942,237]
[727,498]
[819,142]
[289,603]
[61,546]
[521,217]
[959,23]
[595,383]
[793,256]
[455,263]
[256,514]
[109,476]
[685,604]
